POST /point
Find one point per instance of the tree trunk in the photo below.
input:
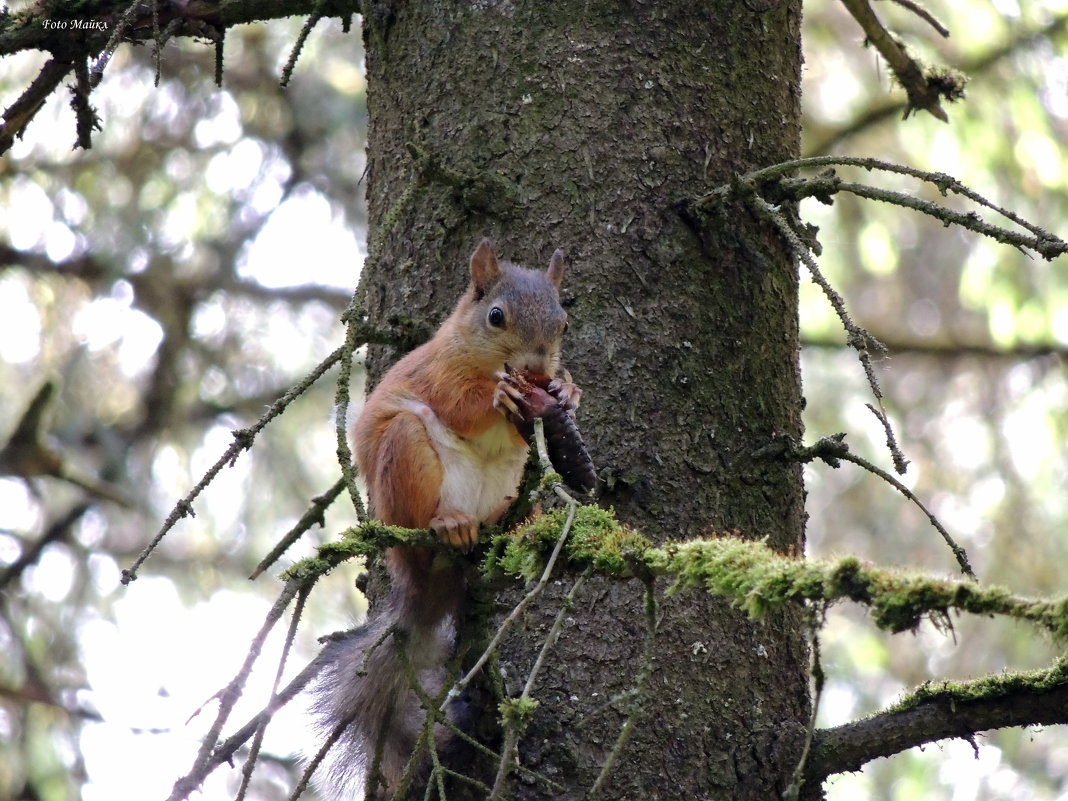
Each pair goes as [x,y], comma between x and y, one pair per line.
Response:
[584,125]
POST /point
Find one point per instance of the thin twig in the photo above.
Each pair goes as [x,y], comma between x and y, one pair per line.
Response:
[298,46]
[313,516]
[554,632]
[86,119]
[1043,243]
[815,671]
[637,694]
[858,338]
[229,695]
[224,754]
[220,45]
[157,44]
[341,407]
[434,710]
[320,755]
[353,318]
[512,733]
[519,609]
[925,15]
[243,439]
[944,182]
[542,448]
[121,27]
[834,448]
[257,740]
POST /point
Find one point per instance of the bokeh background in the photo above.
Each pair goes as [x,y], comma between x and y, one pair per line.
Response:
[178,277]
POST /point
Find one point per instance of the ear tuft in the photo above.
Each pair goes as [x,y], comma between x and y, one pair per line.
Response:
[484,268]
[556,267]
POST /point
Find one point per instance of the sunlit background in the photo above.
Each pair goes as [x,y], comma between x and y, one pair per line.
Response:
[182,274]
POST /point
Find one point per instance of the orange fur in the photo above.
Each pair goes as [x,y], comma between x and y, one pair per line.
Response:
[436,452]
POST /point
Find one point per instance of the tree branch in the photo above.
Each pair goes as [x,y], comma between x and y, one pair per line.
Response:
[939,711]
[877,113]
[942,349]
[95,29]
[924,84]
[92,23]
[827,184]
[19,113]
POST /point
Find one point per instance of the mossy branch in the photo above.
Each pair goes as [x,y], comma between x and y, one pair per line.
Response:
[757,579]
[747,573]
[939,710]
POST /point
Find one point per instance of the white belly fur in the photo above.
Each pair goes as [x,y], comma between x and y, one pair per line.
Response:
[480,472]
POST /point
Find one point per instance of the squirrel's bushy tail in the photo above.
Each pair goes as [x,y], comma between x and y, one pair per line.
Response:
[363,693]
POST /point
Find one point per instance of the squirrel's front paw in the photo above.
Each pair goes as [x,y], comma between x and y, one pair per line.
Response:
[458,529]
[508,395]
[565,391]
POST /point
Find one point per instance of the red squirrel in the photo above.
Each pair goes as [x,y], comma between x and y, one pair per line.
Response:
[439,446]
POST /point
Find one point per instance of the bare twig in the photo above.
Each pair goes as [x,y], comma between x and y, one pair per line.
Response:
[257,740]
[341,410]
[86,119]
[18,114]
[941,349]
[857,338]
[313,516]
[220,46]
[637,693]
[924,87]
[298,46]
[519,609]
[945,183]
[513,731]
[1043,243]
[320,755]
[900,462]
[243,439]
[925,15]
[834,448]
[353,318]
[121,28]
[230,694]
[226,750]
[815,672]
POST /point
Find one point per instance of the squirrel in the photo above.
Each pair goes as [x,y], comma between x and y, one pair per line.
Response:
[441,443]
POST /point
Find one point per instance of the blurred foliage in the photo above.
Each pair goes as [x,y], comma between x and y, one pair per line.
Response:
[181,274]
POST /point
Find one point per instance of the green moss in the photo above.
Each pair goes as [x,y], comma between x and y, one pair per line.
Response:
[757,579]
[596,539]
[517,712]
[368,539]
[749,574]
[987,687]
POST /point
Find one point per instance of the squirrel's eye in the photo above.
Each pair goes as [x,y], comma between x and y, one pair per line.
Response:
[496,317]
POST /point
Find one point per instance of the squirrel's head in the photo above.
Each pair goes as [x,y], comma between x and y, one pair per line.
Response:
[516,312]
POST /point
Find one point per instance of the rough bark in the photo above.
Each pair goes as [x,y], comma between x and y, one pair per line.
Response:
[582,125]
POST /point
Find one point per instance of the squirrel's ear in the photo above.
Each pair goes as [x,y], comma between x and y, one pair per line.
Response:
[556,267]
[484,268]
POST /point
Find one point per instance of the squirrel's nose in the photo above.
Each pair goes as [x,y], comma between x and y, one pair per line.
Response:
[536,361]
